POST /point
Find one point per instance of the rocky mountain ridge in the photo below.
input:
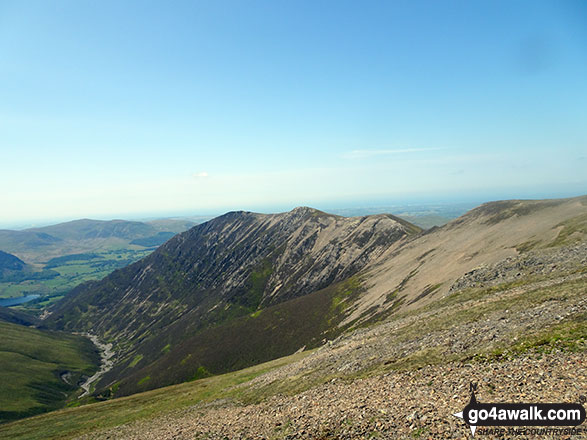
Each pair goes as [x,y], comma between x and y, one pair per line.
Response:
[231,267]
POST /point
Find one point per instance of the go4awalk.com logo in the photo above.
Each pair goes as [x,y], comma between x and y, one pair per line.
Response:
[477,414]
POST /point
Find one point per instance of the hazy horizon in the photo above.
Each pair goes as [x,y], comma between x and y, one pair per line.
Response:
[394,206]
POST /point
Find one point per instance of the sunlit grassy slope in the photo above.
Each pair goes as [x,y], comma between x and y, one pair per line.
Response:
[71,422]
[31,362]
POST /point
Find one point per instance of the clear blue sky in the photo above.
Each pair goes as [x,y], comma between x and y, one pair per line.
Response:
[122,108]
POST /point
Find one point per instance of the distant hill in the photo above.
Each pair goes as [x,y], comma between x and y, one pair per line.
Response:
[62,256]
[17,241]
[10,262]
[39,245]
[176,225]
[87,229]
[153,240]
[13,269]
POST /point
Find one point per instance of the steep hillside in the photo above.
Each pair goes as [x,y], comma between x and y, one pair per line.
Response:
[520,341]
[224,274]
[415,273]
[186,310]
[511,318]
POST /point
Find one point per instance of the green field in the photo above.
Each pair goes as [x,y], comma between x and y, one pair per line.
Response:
[72,270]
[32,362]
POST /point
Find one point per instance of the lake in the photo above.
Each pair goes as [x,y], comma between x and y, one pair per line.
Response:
[7,302]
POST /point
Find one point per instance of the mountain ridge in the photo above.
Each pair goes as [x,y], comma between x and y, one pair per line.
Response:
[409,271]
[230,267]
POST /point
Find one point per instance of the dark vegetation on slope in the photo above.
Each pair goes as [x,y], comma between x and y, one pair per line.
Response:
[10,262]
[20,317]
[302,323]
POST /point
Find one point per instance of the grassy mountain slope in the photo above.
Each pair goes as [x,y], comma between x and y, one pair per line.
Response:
[418,272]
[40,369]
[301,323]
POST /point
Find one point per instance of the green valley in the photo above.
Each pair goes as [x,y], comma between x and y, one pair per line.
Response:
[52,260]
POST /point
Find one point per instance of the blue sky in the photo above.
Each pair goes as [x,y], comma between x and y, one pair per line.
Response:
[131,108]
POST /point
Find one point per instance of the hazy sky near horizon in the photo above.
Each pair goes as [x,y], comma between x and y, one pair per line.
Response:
[117,108]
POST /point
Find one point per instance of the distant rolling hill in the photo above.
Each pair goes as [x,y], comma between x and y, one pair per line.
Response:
[38,245]
[77,251]
[90,229]
[153,240]
[13,269]
[176,225]
[10,262]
